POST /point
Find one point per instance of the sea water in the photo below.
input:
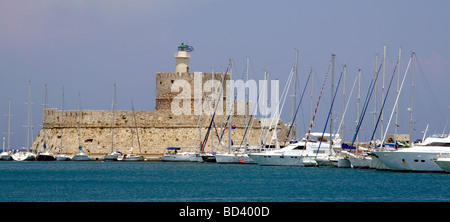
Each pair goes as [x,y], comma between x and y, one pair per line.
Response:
[96,181]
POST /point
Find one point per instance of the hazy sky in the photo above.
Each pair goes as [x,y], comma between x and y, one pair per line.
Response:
[88,45]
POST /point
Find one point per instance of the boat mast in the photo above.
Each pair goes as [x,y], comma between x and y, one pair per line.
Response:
[412,99]
[358,106]
[294,96]
[375,93]
[311,94]
[79,123]
[382,88]
[341,127]
[9,124]
[62,114]
[29,123]
[398,85]
[333,57]
[230,105]
[246,100]
[44,117]
[113,107]
[212,106]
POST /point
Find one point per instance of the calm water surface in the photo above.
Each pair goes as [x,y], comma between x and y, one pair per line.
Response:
[170,182]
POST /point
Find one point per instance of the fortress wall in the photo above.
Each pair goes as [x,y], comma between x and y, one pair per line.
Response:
[156,129]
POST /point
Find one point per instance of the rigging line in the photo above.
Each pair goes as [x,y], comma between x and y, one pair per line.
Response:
[396,100]
[212,118]
[429,88]
[382,106]
[348,102]
[250,121]
[326,123]
[318,101]
[366,104]
[296,111]
[277,110]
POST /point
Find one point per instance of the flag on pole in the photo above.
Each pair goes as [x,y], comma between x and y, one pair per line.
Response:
[189,48]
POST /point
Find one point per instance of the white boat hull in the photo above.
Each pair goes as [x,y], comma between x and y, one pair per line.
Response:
[131,158]
[344,163]
[409,161]
[444,164]
[111,157]
[81,157]
[180,157]
[63,158]
[361,162]
[24,156]
[5,156]
[276,159]
[234,158]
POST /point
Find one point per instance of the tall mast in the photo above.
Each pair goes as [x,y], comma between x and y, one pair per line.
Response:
[29,123]
[382,88]
[375,92]
[200,97]
[9,124]
[398,85]
[44,117]
[311,95]
[113,107]
[343,106]
[212,106]
[231,99]
[62,115]
[246,100]
[79,122]
[332,95]
[294,95]
[358,103]
[412,99]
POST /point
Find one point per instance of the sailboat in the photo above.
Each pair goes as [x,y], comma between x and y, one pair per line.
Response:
[81,155]
[60,156]
[26,155]
[114,155]
[131,157]
[6,155]
[45,155]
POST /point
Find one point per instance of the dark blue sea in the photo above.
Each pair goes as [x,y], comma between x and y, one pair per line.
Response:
[210,182]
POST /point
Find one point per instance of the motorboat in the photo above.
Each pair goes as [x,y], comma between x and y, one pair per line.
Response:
[45,156]
[81,156]
[293,154]
[63,157]
[130,158]
[23,156]
[417,158]
[114,156]
[172,155]
[5,156]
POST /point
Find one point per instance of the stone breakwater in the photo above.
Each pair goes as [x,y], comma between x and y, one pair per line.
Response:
[153,131]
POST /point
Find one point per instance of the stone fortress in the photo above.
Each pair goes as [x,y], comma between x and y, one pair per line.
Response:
[153,131]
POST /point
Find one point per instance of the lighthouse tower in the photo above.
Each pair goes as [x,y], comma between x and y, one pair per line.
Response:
[182,59]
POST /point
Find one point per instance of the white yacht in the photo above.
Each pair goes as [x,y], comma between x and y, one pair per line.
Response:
[417,158]
[239,155]
[5,156]
[130,157]
[23,156]
[173,155]
[113,156]
[81,156]
[295,154]
[63,157]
